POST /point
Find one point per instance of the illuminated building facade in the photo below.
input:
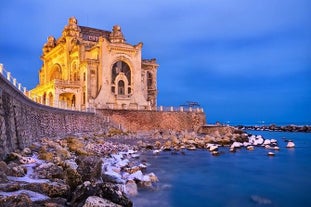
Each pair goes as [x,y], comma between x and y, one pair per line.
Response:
[93,68]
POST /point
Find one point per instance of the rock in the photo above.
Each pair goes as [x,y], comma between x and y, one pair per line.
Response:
[167,145]
[104,190]
[271,153]
[53,189]
[213,148]
[153,177]
[3,177]
[21,200]
[156,152]
[191,147]
[26,151]
[138,175]
[70,164]
[215,153]
[157,144]
[49,171]
[89,167]
[267,142]
[246,144]
[113,193]
[250,147]
[131,188]
[273,141]
[290,144]
[208,139]
[72,178]
[9,187]
[13,156]
[3,167]
[95,201]
[16,170]
[27,160]
[52,202]
[232,149]
[236,145]
[175,140]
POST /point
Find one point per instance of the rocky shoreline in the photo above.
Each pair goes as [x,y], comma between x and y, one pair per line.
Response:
[102,169]
[273,127]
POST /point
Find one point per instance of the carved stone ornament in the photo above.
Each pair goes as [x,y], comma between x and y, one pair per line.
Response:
[116,35]
[72,29]
[51,43]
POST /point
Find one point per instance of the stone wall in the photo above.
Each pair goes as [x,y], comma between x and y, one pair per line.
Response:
[133,120]
[23,121]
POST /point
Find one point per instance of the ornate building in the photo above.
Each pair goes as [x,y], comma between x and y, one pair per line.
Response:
[93,68]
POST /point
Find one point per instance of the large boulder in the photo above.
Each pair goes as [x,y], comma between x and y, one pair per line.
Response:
[95,201]
[290,144]
[21,200]
[16,170]
[131,188]
[89,167]
[53,189]
[107,191]
[49,171]
[72,178]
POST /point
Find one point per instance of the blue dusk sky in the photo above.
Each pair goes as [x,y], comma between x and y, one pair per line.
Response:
[244,61]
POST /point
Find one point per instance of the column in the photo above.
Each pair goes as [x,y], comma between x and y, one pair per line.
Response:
[1,68]
[8,76]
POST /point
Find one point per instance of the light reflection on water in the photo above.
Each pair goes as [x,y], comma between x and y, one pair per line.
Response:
[244,178]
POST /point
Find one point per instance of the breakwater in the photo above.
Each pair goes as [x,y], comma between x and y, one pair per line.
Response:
[273,127]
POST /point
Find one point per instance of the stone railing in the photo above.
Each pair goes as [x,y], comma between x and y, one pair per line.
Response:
[12,80]
[180,108]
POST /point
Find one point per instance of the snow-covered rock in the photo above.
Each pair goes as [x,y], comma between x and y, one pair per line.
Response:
[95,201]
[290,144]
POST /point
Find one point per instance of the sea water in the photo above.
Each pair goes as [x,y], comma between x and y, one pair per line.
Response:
[244,178]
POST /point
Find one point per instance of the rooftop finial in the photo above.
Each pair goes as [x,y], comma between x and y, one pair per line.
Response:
[116,35]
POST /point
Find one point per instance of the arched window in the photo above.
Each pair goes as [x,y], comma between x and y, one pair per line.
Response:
[75,76]
[51,99]
[56,72]
[121,89]
[121,67]
[149,80]
[73,101]
[44,99]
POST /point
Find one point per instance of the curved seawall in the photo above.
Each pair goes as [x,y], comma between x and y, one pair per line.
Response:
[23,121]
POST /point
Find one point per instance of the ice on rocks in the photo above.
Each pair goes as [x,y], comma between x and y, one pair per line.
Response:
[138,175]
[34,196]
[236,145]
[267,142]
[290,144]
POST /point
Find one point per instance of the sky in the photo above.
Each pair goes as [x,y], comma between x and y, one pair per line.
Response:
[243,61]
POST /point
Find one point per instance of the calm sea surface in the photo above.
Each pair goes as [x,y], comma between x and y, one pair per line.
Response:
[244,178]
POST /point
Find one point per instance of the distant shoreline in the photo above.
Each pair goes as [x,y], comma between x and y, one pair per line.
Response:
[273,127]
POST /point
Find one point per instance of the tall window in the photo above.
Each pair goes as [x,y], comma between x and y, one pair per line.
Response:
[56,72]
[121,67]
[149,80]
[121,89]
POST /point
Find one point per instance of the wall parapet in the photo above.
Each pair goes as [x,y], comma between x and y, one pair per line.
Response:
[11,79]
